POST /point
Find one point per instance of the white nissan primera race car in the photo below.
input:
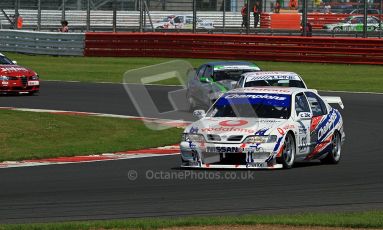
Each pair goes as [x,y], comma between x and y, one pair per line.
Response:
[264,127]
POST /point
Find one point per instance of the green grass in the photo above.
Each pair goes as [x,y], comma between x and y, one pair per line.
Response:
[29,135]
[370,219]
[104,69]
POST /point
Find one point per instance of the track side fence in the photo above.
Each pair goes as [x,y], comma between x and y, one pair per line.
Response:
[223,46]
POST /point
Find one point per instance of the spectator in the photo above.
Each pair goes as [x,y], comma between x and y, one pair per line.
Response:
[293,4]
[309,29]
[327,8]
[244,15]
[64,26]
[256,11]
[277,7]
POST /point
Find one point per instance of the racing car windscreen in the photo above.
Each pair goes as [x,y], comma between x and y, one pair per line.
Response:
[5,61]
[262,105]
[282,83]
[233,75]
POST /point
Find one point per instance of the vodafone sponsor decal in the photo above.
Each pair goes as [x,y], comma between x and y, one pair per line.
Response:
[229,126]
[233,123]
[228,129]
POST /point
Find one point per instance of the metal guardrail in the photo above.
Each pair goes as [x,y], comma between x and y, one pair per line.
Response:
[51,43]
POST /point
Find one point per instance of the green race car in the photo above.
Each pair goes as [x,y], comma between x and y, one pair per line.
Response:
[213,79]
[354,23]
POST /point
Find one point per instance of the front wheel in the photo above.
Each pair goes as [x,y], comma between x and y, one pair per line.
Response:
[337,29]
[33,93]
[333,157]
[288,154]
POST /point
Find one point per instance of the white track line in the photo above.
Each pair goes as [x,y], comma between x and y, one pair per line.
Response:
[19,164]
[159,120]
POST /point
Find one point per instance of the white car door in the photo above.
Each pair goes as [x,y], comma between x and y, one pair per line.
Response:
[303,136]
[319,112]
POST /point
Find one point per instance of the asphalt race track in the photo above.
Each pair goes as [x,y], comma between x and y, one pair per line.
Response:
[105,190]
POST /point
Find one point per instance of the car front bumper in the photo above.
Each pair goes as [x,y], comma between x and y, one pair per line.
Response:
[17,87]
[236,156]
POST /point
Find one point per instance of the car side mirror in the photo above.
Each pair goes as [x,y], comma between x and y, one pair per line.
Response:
[304,115]
[204,79]
[14,62]
[200,113]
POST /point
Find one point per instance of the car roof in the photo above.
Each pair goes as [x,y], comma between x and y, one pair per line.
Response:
[229,63]
[262,74]
[269,89]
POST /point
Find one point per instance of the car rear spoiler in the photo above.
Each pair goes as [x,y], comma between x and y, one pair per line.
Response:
[333,100]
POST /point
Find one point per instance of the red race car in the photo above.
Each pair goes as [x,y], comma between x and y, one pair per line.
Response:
[17,79]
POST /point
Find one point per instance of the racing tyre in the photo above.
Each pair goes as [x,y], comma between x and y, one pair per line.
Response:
[333,157]
[289,151]
[34,93]
[336,29]
[184,163]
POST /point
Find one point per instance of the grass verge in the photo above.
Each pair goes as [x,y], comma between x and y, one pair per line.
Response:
[108,69]
[369,219]
[28,135]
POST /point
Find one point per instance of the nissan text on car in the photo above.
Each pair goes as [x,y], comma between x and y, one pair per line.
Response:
[266,128]
[17,79]
[212,79]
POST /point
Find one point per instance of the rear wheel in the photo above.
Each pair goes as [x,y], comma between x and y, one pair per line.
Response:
[333,157]
[288,154]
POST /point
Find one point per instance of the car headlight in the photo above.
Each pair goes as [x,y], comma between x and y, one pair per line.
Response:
[4,78]
[35,77]
[193,137]
[260,139]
